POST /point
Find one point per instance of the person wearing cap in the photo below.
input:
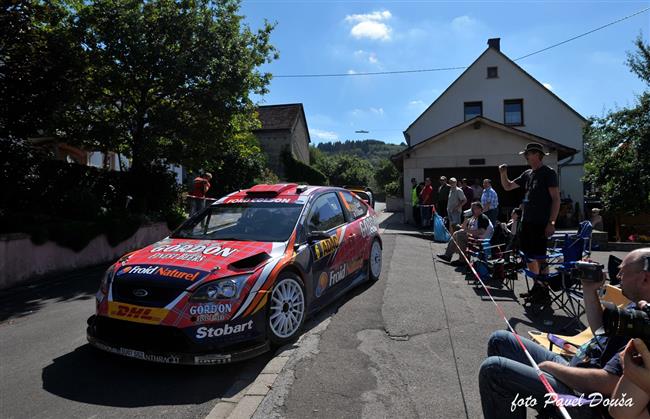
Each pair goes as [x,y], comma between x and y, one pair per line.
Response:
[541,207]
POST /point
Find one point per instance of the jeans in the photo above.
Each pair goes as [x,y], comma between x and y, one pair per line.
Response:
[425,215]
[506,375]
[460,237]
[492,215]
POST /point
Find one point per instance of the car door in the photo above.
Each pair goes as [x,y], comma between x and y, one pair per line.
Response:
[332,251]
[360,244]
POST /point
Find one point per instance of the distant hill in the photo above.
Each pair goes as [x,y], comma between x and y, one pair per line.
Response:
[371,150]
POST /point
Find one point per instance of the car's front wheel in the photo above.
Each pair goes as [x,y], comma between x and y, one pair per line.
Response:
[374,261]
[286,309]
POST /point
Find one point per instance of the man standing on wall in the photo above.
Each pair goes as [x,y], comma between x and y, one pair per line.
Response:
[541,207]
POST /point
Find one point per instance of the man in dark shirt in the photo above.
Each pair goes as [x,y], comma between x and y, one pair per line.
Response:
[507,374]
[541,206]
[442,197]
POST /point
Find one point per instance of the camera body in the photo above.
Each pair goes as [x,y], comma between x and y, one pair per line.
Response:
[588,271]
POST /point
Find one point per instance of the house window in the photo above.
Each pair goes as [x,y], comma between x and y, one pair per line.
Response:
[473,109]
[513,112]
[492,72]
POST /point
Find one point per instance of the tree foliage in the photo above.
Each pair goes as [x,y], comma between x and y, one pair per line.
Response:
[166,80]
[344,169]
[40,63]
[617,147]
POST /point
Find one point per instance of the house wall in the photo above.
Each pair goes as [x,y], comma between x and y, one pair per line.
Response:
[299,143]
[272,144]
[544,114]
[453,151]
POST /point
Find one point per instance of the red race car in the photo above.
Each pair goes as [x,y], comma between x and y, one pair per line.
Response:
[238,277]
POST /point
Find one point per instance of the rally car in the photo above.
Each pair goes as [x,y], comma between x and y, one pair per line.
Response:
[237,278]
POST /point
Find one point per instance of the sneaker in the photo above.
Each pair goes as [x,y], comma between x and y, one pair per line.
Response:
[445,258]
[457,263]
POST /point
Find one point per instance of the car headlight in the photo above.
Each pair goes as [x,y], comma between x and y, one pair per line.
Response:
[223,289]
[106,279]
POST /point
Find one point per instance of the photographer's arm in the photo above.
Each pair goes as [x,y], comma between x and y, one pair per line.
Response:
[584,380]
[639,375]
[592,304]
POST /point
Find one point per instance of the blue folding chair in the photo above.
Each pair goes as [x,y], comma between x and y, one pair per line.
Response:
[564,289]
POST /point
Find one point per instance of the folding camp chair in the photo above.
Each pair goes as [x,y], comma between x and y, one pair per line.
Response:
[492,259]
[584,232]
[565,290]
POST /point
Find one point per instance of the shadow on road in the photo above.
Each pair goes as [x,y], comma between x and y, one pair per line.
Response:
[91,376]
[26,299]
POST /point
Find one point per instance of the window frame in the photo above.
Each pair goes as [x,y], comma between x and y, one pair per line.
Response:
[496,72]
[361,203]
[507,102]
[473,103]
[313,208]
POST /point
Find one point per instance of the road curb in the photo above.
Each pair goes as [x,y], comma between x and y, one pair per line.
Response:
[244,403]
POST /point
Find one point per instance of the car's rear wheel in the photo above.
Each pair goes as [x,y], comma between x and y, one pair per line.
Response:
[374,261]
[286,313]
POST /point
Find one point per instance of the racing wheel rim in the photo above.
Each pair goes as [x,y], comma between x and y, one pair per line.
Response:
[287,308]
[375,259]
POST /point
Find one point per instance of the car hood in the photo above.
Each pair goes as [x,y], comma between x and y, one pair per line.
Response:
[185,262]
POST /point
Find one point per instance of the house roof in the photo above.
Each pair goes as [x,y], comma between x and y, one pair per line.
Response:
[498,51]
[281,117]
[562,150]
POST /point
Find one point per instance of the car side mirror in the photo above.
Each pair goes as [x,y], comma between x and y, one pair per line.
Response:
[317,235]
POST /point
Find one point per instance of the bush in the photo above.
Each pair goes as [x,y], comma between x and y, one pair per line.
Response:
[299,172]
[393,189]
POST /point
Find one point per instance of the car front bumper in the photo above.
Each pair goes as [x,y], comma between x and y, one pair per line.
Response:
[208,357]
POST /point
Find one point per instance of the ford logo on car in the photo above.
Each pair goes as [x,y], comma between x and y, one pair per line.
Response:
[140,292]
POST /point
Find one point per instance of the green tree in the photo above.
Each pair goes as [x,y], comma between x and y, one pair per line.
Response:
[617,147]
[40,63]
[385,174]
[167,80]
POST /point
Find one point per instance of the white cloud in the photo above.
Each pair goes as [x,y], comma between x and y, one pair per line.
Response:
[376,16]
[548,86]
[371,30]
[370,25]
[416,103]
[324,135]
[372,58]
[377,111]
[352,71]
[463,23]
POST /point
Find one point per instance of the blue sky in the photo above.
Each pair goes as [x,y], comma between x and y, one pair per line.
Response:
[332,36]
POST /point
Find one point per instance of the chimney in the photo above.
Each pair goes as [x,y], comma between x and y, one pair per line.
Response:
[495,43]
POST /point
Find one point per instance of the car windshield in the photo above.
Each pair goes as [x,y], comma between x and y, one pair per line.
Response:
[258,221]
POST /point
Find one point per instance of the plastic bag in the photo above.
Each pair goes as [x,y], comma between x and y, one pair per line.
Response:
[440,233]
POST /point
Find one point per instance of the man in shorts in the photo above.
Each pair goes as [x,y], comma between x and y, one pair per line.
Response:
[541,206]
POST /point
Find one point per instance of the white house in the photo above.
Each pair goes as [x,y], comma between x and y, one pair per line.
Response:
[484,118]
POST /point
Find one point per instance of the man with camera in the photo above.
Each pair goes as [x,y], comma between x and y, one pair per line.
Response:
[506,376]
